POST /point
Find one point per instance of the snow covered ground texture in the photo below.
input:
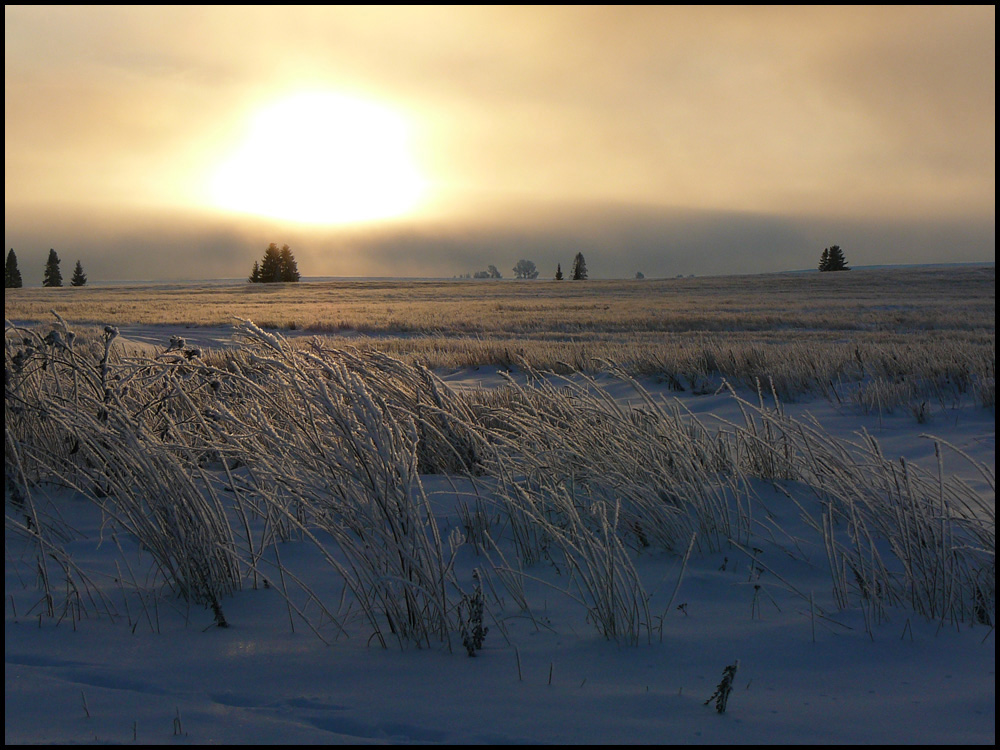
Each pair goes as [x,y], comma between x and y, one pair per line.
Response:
[808,672]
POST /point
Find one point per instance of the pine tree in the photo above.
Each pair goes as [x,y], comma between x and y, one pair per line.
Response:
[289,268]
[559,273]
[270,266]
[579,268]
[53,277]
[79,277]
[277,265]
[837,260]
[824,260]
[833,259]
[11,274]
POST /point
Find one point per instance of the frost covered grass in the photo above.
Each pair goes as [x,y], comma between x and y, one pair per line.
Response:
[208,465]
[910,340]
[383,506]
[865,300]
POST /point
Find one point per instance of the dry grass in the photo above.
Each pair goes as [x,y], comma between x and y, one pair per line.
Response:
[210,462]
[896,300]
[911,339]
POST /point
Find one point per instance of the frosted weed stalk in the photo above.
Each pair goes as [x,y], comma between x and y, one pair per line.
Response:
[473,630]
[893,532]
[126,459]
[341,438]
[724,688]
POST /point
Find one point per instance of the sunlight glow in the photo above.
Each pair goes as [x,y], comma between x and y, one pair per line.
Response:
[322,158]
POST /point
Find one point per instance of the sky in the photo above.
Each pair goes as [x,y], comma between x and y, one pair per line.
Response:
[173,143]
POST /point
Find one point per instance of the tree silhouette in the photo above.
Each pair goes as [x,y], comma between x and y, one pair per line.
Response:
[79,277]
[833,259]
[559,273]
[289,268]
[579,268]
[53,277]
[11,274]
[270,266]
[491,272]
[525,269]
[277,265]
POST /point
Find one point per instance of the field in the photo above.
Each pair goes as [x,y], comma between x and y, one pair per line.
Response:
[740,510]
[806,333]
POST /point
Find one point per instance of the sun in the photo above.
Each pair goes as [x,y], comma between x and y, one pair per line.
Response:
[322,158]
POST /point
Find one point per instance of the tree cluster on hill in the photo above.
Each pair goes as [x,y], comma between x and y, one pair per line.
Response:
[578,271]
[525,269]
[833,259]
[491,272]
[51,278]
[276,266]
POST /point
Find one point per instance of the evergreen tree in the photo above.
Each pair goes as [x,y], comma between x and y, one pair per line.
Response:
[579,268]
[11,274]
[53,277]
[277,265]
[270,266]
[833,259]
[559,273]
[79,277]
[837,260]
[289,268]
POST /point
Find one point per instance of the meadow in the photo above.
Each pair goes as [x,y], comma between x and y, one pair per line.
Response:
[907,335]
[742,510]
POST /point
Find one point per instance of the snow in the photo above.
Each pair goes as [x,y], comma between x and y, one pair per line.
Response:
[163,673]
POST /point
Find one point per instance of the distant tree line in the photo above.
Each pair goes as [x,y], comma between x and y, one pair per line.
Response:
[526,269]
[491,272]
[276,266]
[578,271]
[52,276]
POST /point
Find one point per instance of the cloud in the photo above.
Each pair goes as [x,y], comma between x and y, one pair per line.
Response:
[617,240]
[672,139]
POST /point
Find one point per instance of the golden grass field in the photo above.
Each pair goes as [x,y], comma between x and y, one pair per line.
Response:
[946,298]
[904,327]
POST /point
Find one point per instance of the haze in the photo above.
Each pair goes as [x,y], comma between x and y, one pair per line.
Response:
[148,142]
